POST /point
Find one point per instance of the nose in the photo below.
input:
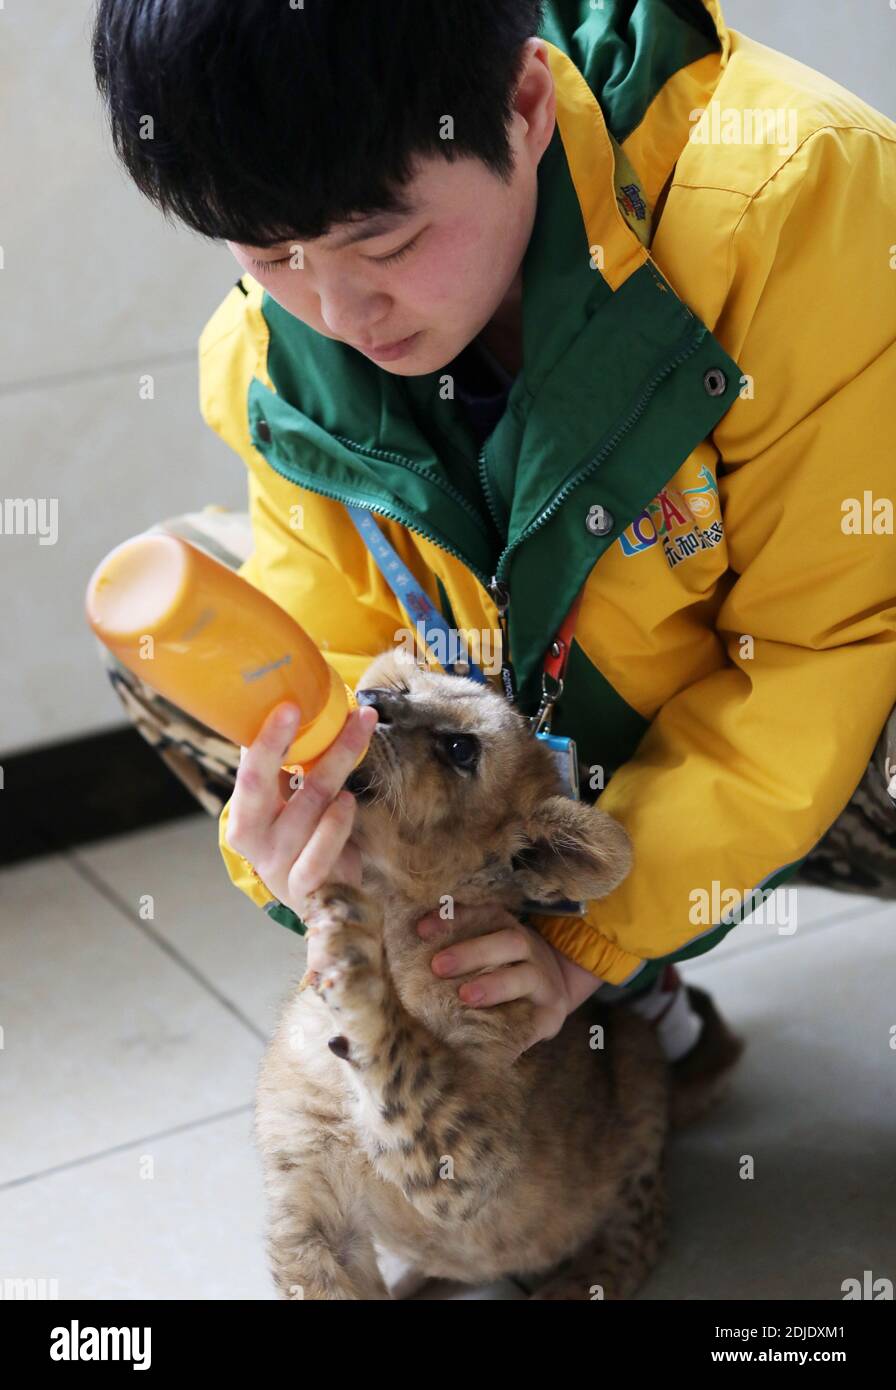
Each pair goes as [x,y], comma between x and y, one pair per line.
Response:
[351,311]
[387,704]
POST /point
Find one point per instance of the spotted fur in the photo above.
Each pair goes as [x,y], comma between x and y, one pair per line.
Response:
[389,1111]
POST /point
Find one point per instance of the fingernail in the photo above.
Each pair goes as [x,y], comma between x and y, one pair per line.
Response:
[288,715]
[367,716]
[472,993]
[444,963]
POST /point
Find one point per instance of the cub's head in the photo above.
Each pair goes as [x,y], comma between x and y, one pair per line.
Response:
[456,796]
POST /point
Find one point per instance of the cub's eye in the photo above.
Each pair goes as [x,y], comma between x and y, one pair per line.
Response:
[461,749]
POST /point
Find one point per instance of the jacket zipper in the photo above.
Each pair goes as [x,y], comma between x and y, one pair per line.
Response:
[583,473]
[407,463]
[485,484]
[498,591]
[388,512]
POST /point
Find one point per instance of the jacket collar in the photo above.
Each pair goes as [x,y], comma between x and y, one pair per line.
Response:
[629,50]
[655,143]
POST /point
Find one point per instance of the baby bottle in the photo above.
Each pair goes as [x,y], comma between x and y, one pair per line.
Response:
[214,645]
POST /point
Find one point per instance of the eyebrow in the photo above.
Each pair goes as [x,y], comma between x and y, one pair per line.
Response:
[373,226]
[363,229]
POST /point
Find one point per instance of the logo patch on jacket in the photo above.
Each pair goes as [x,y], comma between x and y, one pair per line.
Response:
[631,204]
[684,521]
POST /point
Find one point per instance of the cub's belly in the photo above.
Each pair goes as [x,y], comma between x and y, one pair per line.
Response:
[593,1117]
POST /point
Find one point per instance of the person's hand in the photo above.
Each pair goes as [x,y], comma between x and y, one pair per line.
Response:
[296,840]
[527,967]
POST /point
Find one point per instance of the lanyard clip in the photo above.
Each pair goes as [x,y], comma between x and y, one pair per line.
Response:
[553,670]
[551,690]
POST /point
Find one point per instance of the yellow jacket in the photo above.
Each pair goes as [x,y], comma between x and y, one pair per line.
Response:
[725,397]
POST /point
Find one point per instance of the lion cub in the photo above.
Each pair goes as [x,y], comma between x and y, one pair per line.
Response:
[389,1110]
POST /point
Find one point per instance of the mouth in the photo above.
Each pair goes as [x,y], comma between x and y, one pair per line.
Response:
[360,784]
[389,352]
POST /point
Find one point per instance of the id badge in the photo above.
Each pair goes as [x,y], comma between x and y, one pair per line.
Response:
[564,753]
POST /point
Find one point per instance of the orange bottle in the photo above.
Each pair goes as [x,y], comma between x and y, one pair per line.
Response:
[214,644]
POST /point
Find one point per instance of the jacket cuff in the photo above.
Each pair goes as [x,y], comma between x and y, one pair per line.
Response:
[244,877]
[576,938]
[285,917]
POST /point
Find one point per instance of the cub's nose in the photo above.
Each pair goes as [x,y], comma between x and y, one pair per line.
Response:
[387,703]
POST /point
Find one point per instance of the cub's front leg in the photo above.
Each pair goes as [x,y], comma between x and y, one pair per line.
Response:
[348,933]
[436,1121]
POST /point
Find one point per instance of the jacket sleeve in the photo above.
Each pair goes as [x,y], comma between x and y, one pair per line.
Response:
[742,772]
[347,608]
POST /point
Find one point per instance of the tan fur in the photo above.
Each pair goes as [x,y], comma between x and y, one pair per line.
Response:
[430,1135]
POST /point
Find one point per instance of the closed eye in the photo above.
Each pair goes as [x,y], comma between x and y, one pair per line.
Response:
[269,265]
[392,259]
[395,256]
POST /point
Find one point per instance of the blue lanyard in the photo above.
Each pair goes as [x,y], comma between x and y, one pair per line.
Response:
[410,595]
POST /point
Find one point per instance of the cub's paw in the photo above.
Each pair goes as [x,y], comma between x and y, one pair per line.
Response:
[344,948]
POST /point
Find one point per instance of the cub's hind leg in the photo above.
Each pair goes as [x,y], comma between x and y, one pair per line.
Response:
[617,1261]
[318,1243]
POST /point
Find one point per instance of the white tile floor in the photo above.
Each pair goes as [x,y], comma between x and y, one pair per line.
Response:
[137,989]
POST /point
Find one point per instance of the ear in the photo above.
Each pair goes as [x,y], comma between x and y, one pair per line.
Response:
[571,850]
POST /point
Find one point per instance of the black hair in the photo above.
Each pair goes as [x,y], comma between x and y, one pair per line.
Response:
[258,121]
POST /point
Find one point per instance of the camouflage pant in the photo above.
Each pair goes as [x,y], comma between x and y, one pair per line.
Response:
[856,855]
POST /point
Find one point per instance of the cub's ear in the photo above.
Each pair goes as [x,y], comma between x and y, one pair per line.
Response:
[570,849]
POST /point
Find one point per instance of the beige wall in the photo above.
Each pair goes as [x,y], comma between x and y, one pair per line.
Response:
[96,291]
[853,41]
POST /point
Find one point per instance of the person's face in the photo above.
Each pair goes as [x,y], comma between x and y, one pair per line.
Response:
[418,287]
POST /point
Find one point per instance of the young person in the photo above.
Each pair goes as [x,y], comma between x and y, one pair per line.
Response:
[574,299]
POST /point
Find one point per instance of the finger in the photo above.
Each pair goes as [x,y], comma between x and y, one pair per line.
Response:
[500,986]
[315,863]
[256,797]
[545,1024]
[433,923]
[288,784]
[347,868]
[498,948]
[331,770]
[318,788]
